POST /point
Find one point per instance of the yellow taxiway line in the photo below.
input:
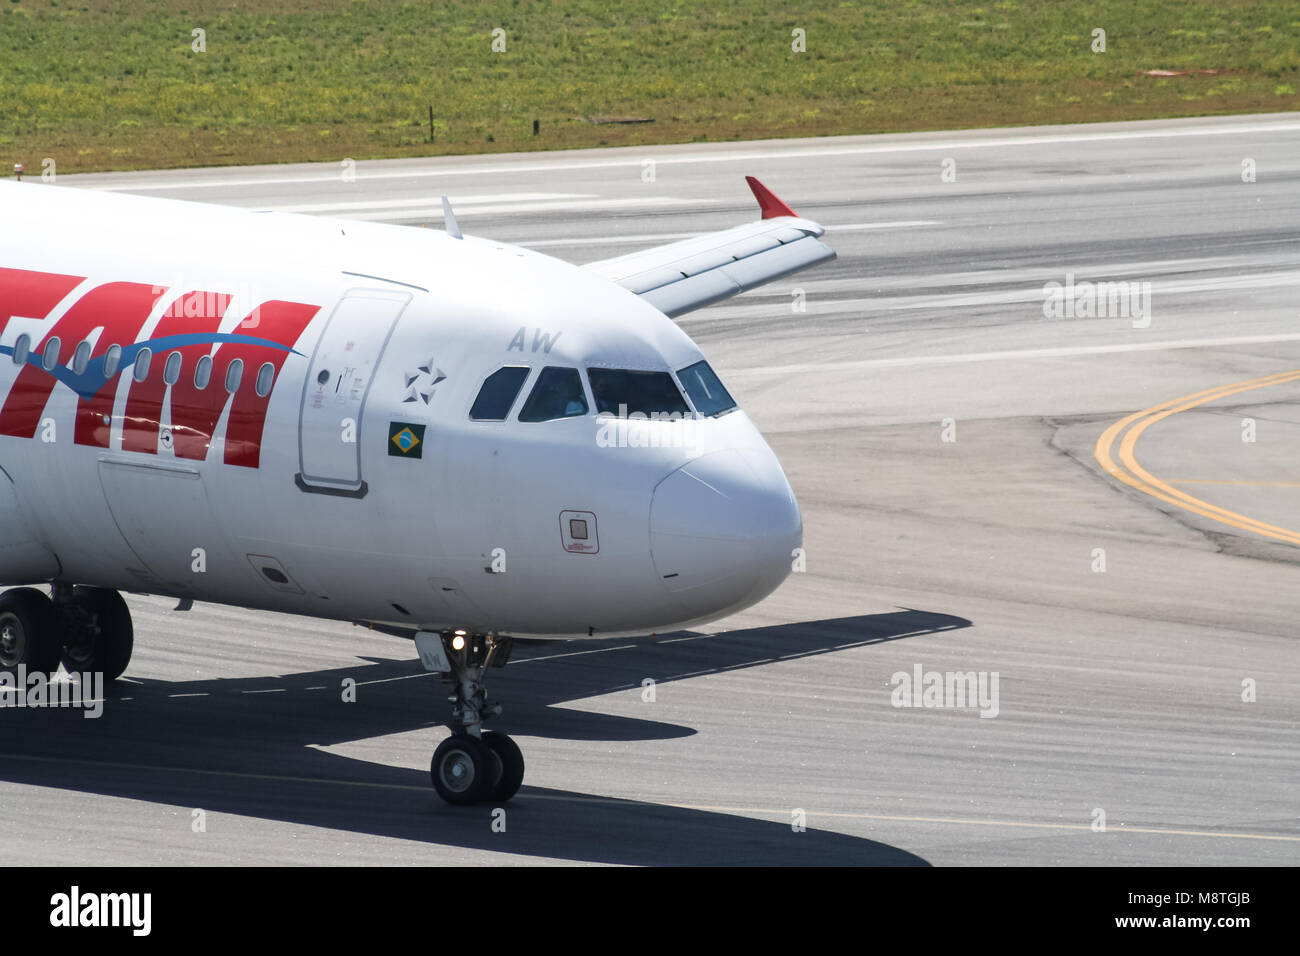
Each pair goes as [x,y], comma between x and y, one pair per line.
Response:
[1134,475]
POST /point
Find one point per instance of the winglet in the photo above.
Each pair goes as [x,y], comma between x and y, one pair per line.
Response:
[449,219]
[771,206]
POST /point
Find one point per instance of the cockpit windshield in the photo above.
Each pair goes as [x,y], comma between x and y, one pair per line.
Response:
[498,394]
[705,389]
[557,394]
[624,392]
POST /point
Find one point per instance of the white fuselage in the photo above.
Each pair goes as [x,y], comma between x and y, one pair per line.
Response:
[307,498]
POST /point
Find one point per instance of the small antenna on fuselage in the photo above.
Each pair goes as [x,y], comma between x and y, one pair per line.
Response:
[449,218]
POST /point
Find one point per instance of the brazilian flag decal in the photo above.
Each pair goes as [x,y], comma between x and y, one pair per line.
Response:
[405,440]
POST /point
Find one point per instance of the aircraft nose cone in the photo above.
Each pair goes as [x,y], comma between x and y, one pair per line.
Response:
[723,529]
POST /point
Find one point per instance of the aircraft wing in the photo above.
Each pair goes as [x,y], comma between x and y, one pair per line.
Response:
[682,276]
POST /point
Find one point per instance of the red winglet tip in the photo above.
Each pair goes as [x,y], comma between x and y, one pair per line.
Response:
[767,202]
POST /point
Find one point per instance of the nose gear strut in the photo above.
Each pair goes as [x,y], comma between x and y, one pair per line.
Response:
[474,765]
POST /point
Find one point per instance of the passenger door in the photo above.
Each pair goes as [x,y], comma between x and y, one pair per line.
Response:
[337,386]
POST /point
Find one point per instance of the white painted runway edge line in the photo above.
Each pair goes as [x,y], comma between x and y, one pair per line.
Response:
[435,212]
[472,199]
[670,236]
[1062,352]
[1030,139]
[888,302]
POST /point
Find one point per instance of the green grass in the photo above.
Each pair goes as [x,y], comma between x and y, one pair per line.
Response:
[114,84]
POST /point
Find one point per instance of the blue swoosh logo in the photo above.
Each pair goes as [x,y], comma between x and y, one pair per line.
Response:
[92,380]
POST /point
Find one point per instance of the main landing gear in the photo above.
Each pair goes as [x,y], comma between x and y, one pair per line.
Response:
[84,628]
[474,765]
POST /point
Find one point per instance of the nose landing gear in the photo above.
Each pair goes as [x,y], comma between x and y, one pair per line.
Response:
[474,765]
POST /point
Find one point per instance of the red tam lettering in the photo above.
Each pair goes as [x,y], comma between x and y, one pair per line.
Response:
[120,308]
[195,313]
[195,412]
[32,295]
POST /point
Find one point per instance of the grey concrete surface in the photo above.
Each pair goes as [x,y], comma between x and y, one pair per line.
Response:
[1120,690]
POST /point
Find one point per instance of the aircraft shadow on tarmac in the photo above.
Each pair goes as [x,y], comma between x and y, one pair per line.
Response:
[250,747]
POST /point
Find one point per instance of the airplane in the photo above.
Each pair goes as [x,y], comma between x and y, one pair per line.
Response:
[445,438]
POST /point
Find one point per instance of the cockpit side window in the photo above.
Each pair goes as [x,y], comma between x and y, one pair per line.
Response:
[705,389]
[557,394]
[498,394]
[625,392]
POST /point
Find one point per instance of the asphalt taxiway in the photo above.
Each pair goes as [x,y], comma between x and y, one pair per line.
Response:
[1103,510]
